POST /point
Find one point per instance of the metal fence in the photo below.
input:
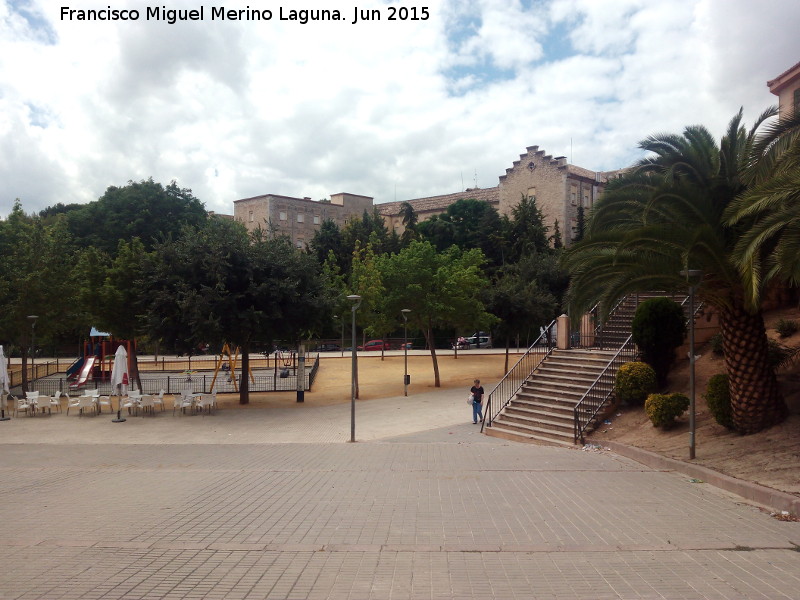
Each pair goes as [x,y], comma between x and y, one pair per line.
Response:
[278,379]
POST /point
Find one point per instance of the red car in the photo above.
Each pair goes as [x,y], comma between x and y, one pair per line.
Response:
[375,345]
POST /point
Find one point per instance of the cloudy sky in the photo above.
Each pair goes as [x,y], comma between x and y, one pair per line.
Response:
[391,109]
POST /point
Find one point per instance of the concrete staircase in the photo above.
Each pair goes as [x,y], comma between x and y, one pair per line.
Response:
[542,411]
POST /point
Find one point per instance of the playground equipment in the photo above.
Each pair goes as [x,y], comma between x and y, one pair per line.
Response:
[98,358]
[232,360]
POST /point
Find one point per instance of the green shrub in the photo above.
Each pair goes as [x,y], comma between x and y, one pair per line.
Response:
[786,327]
[658,328]
[715,341]
[718,398]
[634,381]
[663,409]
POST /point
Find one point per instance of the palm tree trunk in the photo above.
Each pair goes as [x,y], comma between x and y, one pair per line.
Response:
[756,401]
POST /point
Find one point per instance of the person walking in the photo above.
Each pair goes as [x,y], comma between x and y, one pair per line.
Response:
[477,399]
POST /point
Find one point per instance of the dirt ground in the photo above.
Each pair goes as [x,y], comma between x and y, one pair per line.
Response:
[384,378]
[771,458]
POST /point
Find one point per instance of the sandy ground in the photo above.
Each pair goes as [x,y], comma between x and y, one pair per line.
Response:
[771,458]
[384,378]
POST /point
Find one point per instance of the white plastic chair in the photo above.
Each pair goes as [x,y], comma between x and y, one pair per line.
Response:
[182,402]
[159,400]
[206,401]
[104,401]
[56,401]
[86,403]
[47,403]
[72,402]
[22,404]
[147,404]
[132,401]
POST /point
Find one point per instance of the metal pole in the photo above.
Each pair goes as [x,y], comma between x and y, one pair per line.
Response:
[32,319]
[301,374]
[356,300]
[691,373]
[403,312]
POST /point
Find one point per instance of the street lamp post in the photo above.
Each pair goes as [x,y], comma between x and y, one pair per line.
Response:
[691,274]
[356,300]
[405,312]
[342,346]
[32,319]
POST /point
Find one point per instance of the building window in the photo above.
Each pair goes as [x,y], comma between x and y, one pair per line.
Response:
[250,216]
[301,218]
[797,101]
[299,244]
[316,219]
[282,216]
[586,199]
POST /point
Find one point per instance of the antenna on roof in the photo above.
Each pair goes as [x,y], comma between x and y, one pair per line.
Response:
[476,178]
[570,152]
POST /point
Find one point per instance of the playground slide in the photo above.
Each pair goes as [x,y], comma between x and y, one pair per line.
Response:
[75,368]
[85,372]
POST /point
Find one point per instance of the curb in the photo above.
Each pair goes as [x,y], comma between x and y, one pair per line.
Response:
[774,499]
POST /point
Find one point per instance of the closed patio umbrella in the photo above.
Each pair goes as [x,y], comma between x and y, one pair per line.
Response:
[3,385]
[119,379]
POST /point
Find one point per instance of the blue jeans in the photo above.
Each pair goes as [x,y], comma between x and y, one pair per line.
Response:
[477,415]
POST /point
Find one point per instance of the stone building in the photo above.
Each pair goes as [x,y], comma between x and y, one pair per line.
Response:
[425,208]
[786,87]
[298,218]
[558,187]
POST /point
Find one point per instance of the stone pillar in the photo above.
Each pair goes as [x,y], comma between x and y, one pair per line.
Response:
[562,335]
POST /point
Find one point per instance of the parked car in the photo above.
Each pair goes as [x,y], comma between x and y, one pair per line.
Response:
[329,348]
[479,341]
[375,345]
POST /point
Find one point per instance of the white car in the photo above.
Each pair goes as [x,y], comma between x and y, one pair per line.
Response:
[479,341]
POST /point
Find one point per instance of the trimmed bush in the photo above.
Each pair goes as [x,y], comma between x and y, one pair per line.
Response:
[718,398]
[634,381]
[786,327]
[715,341]
[658,328]
[663,409]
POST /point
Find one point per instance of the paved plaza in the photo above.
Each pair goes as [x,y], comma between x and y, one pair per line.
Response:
[275,503]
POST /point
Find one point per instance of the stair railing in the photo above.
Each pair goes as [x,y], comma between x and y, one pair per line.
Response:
[590,404]
[512,381]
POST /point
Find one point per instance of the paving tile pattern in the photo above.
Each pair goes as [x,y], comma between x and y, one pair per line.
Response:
[440,514]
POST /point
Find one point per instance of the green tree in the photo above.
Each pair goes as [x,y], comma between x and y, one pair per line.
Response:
[366,281]
[409,218]
[35,279]
[328,240]
[219,284]
[528,232]
[666,216]
[769,210]
[143,209]
[441,289]
[659,327]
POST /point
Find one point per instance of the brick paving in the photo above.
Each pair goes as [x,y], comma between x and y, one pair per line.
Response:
[263,503]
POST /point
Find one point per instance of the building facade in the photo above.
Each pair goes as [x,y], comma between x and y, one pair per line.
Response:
[298,218]
[786,87]
[560,189]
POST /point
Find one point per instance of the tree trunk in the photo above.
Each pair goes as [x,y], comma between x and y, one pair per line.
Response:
[432,346]
[756,401]
[244,385]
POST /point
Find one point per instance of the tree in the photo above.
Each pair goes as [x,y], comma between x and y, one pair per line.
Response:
[440,289]
[409,218]
[366,281]
[35,279]
[220,284]
[556,237]
[658,328]
[143,209]
[666,216]
[326,240]
[528,232]
[769,210]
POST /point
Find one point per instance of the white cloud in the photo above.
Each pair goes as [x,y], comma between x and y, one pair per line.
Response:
[411,108]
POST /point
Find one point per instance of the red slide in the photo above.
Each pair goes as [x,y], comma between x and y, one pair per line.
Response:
[85,372]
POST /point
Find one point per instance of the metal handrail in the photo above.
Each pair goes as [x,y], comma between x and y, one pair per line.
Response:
[512,381]
[585,411]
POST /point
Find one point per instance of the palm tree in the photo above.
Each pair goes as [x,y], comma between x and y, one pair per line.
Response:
[665,216]
[770,206]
